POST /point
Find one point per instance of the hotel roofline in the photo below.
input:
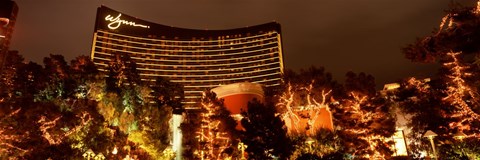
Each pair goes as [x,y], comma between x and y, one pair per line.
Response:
[171,31]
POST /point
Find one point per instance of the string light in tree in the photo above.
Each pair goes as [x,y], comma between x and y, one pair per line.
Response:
[458,93]
[291,110]
[213,141]
[54,139]
[420,85]
[45,125]
[364,116]
[446,18]
[286,102]
[477,9]
[8,140]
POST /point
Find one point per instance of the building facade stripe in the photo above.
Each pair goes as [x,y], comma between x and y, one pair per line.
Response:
[197,59]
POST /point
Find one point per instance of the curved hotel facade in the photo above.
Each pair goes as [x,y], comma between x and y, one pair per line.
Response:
[197,59]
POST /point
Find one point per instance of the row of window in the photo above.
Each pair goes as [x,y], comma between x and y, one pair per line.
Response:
[187,69]
[189,50]
[220,44]
[198,55]
[194,60]
[187,42]
[199,63]
[213,79]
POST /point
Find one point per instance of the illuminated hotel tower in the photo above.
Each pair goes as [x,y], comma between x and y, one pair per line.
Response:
[198,59]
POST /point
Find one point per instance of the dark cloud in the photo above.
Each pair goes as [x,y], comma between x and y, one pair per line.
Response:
[341,35]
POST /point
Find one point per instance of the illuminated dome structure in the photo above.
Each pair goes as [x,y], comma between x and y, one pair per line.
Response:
[236,97]
[197,59]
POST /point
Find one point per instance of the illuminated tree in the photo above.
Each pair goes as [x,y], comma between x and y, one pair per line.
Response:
[115,76]
[124,93]
[84,74]
[85,129]
[122,73]
[45,130]
[192,141]
[216,128]
[303,103]
[67,109]
[83,68]
[365,125]
[168,94]
[449,103]
[10,138]
[153,135]
[363,119]
[8,75]
[304,96]
[461,97]
[29,80]
[42,99]
[190,129]
[421,103]
[458,32]
[430,106]
[265,132]
[58,83]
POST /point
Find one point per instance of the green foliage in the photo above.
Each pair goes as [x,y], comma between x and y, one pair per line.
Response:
[69,109]
[324,144]
[128,101]
[154,125]
[107,111]
[144,141]
[468,148]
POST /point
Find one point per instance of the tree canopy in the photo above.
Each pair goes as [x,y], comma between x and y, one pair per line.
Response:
[69,108]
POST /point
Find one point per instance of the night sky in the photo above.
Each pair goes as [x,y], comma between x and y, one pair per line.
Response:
[340,35]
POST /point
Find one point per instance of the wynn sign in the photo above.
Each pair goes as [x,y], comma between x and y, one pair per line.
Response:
[115,22]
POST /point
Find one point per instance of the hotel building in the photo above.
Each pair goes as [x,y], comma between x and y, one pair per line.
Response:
[198,59]
[8,16]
